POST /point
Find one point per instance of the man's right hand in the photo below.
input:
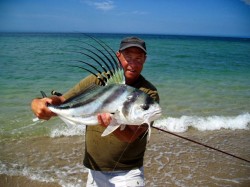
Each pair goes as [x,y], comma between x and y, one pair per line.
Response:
[40,109]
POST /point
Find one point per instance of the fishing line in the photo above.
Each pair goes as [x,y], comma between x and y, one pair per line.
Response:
[128,144]
[25,127]
[185,138]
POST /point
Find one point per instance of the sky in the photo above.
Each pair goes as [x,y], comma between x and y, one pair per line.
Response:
[181,17]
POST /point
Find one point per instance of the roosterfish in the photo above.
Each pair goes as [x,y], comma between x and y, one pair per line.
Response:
[127,105]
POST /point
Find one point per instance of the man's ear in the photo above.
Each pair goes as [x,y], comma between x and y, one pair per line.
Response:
[118,53]
[120,57]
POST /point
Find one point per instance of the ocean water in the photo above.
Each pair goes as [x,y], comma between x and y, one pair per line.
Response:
[204,87]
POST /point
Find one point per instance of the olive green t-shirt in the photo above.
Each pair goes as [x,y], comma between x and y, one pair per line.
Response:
[109,153]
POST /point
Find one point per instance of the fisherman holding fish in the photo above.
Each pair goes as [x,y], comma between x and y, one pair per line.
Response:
[117,158]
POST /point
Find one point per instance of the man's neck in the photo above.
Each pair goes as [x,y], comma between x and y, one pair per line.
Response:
[133,81]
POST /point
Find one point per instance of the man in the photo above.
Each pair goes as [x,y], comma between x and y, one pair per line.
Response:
[117,159]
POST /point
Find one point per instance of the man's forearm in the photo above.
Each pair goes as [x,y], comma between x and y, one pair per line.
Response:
[130,133]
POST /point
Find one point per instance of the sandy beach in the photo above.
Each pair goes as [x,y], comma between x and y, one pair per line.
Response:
[169,160]
[203,84]
[14,181]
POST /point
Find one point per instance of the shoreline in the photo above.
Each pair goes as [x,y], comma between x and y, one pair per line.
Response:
[22,181]
[168,160]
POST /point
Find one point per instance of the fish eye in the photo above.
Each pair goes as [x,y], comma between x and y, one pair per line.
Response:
[144,106]
[129,97]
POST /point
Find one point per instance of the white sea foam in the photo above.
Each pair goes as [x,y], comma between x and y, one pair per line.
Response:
[68,131]
[181,124]
[12,169]
[63,176]
[204,123]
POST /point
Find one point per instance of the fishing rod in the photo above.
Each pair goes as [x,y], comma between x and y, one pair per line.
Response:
[199,143]
[53,92]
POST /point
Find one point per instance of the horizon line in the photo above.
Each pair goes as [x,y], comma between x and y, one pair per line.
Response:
[128,33]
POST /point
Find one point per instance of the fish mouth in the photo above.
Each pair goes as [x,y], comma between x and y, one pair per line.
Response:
[153,116]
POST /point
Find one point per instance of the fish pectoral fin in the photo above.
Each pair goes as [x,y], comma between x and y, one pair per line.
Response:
[122,127]
[149,129]
[111,127]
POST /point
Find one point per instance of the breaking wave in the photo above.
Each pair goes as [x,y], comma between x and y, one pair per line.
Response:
[210,123]
[68,131]
[50,175]
[181,124]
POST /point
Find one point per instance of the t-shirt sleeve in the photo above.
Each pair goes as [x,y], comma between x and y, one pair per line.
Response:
[79,87]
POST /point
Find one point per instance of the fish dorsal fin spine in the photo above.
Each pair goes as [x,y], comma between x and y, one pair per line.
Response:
[43,94]
[117,78]
[103,62]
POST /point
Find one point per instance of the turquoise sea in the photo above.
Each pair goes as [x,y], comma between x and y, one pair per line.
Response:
[203,82]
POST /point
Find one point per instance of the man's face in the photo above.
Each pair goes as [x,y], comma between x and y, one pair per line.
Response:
[132,60]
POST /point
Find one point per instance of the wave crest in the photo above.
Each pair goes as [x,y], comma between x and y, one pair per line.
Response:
[210,123]
[68,131]
[181,124]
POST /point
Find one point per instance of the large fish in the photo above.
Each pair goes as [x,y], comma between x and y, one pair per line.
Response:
[127,105]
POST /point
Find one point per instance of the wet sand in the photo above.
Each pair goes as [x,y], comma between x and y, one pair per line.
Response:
[169,160]
[15,181]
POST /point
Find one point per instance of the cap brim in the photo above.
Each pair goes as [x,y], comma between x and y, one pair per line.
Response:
[132,45]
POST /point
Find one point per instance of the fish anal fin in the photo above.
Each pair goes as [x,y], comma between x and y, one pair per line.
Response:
[66,121]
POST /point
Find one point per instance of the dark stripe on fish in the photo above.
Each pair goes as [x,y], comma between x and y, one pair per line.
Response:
[85,98]
[130,100]
[114,94]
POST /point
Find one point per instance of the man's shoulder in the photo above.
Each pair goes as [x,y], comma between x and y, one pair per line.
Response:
[147,87]
[144,83]
[81,86]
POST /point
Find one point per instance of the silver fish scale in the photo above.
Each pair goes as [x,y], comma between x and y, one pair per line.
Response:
[127,104]
[97,100]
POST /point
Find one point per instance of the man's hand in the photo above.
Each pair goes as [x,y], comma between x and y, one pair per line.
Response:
[129,134]
[104,119]
[40,109]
